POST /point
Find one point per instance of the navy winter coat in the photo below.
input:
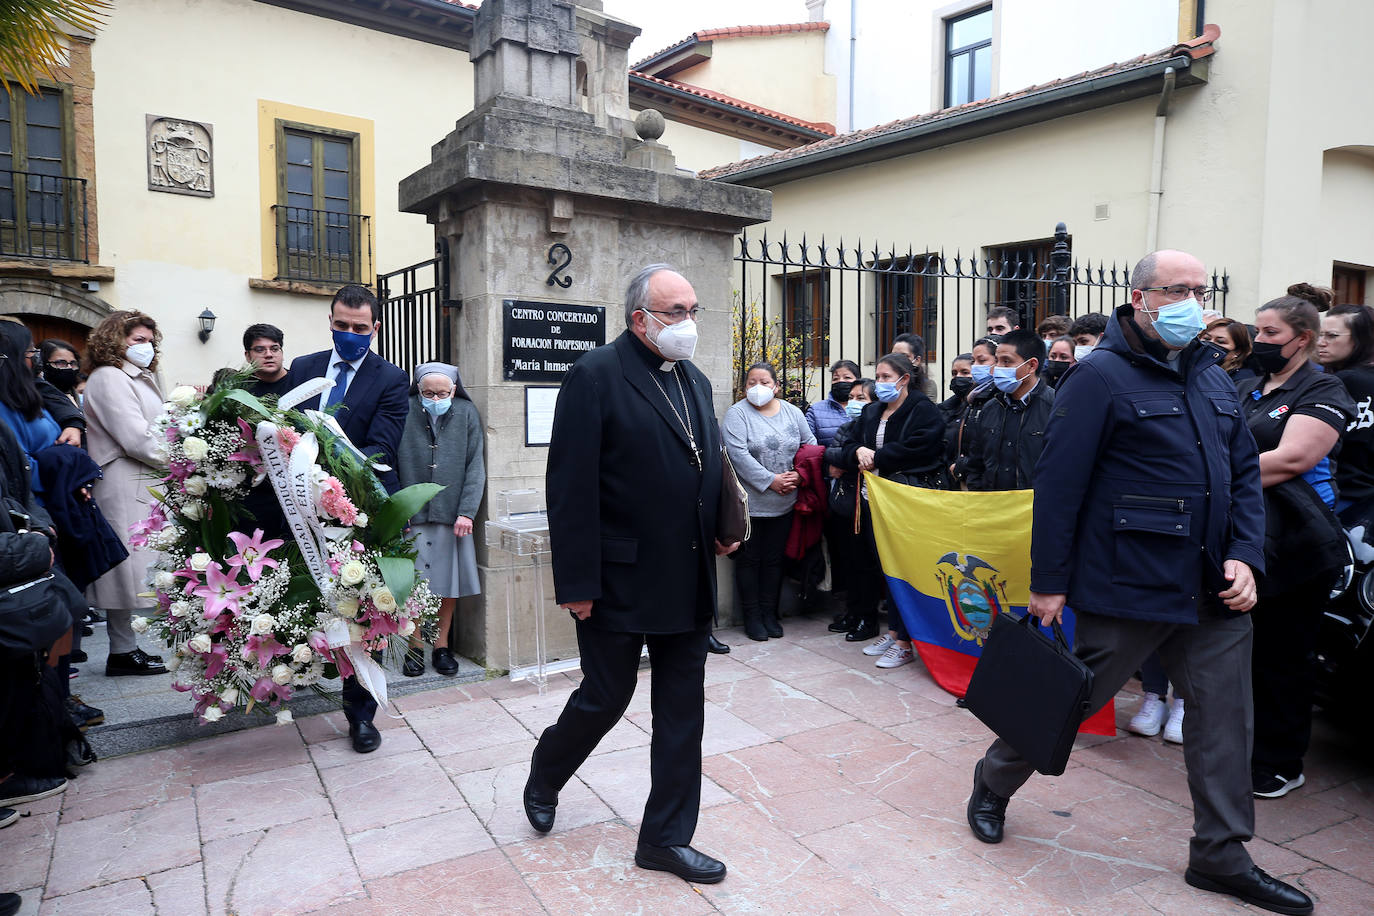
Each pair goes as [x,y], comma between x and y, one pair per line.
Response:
[825,418]
[1148,482]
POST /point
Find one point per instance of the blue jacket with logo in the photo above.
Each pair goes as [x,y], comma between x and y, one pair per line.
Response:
[1149,480]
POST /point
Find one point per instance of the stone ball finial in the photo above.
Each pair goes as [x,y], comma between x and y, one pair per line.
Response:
[649,125]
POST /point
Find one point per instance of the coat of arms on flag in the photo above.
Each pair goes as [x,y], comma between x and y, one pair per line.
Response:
[953,562]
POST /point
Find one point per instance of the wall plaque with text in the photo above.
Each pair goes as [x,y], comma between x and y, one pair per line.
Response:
[541,340]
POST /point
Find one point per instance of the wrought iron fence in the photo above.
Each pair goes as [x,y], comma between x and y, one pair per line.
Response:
[42,216]
[415,303]
[803,305]
[322,245]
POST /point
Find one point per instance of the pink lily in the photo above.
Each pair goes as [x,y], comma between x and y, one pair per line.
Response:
[264,647]
[266,687]
[215,660]
[249,453]
[139,531]
[221,592]
[252,554]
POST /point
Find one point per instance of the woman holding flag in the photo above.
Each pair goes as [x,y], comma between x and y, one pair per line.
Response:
[900,437]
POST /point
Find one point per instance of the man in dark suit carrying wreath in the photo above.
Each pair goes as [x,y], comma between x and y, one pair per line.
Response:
[633,481]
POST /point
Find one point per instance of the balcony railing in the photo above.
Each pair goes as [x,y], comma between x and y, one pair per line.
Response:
[322,246]
[42,216]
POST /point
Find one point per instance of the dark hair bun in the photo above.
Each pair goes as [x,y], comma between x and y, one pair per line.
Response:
[1319,296]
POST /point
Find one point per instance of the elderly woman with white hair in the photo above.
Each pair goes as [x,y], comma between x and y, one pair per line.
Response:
[442,443]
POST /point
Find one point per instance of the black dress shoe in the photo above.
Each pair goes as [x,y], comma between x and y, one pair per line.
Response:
[365,737]
[82,715]
[444,662]
[773,628]
[10,904]
[414,664]
[987,811]
[79,655]
[863,631]
[1255,888]
[683,861]
[540,806]
[716,646]
[843,624]
[138,662]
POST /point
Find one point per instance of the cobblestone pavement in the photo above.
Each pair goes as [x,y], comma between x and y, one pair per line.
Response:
[829,786]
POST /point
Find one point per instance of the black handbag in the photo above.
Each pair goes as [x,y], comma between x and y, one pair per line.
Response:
[34,614]
[1032,691]
[842,495]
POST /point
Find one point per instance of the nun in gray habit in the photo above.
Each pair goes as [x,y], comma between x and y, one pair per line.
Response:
[442,443]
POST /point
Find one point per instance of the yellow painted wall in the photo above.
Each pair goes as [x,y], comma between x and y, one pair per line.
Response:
[220,61]
[1347,233]
[696,148]
[783,72]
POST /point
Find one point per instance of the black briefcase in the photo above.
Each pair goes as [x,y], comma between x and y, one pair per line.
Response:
[1032,691]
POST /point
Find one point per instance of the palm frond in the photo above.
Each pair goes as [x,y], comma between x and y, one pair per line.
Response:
[33,32]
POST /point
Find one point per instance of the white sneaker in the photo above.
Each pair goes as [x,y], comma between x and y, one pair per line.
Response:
[895,657]
[880,645]
[1148,720]
[1173,729]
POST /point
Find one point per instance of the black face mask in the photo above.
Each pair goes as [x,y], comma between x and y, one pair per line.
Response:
[62,379]
[839,391]
[1055,368]
[1270,356]
[961,385]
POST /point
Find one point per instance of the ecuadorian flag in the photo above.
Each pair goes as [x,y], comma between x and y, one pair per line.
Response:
[953,562]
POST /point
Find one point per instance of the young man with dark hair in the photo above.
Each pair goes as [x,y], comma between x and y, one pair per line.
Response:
[1051,327]
[1087,331]
[1002,320]
[1011,427]
[264,345]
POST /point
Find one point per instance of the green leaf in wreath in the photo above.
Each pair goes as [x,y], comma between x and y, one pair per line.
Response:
[386,525]
[399,575]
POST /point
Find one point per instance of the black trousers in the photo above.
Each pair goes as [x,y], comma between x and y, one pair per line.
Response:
[1283,676]
[610,669]
[358,705]
[758,566]
[839,542]
[1209,665]
[867,584]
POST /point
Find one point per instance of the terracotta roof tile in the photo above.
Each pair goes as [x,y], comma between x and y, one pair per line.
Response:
[1196,48]
[737,31]
[819,126]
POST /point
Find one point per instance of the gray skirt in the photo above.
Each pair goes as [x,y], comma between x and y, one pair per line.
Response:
[447,562]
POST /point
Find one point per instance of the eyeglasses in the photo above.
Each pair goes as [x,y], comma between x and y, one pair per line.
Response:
[63,364]
[678,314]
[1200,293]
[1332,335]
[263,351]
[435,396]
[34,353]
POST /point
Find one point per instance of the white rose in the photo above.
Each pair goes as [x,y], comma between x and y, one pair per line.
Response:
[183,396]
[385,601]
[200,561]
[281,674]
[263,624]
[139,624]
[213,714]
[348,607]
[360,521]
[229,695]
[284,717]
[352,572]
[302,655]
[406,628]
[164,580]
[193,510]
[178,609]
[200,642]
[195,447]
[356,632]
[196,485]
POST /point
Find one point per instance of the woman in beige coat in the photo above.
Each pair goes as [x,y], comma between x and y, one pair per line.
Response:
[122,401]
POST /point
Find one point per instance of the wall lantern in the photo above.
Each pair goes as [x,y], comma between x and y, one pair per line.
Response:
[207,324]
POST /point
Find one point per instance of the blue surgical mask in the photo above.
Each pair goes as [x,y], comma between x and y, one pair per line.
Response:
[981,374]
[887,391]
[350,346]
[854,408]
[437,407]
[1178,324]
[1005,378]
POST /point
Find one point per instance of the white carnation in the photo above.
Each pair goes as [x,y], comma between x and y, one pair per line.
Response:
[213,714]
[281,674]
[302,655]
[174,663]
[196,485]
[200,642]
[283,717]
[360,521]
[229,695]
[139,624]
[200,561]
[263,624]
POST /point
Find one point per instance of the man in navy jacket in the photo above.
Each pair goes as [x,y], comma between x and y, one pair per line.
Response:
[1149,521]
[372,398]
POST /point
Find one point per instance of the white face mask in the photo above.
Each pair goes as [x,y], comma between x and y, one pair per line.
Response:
[759,395]
[141,355]
[1081,350]
[675,341]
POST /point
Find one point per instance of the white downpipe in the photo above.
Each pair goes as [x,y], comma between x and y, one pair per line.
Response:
[853,56]
[1157,160]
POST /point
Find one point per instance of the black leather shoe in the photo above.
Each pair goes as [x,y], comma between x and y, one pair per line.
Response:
[843,624]
[773,628]
[683,861]
[863,631]
[987,811]
[716,646]
[444,662]
[81,714]
[135,662]
[365,737]
[10,904]
[540,806]
[1255,888]
[414,664]
[79,655]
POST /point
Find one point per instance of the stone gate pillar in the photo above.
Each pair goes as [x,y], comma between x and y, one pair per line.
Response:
[548,157]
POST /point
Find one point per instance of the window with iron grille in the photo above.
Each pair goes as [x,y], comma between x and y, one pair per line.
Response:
[806,313]
[1021,275]
[41,203]
[906,303]
[968,57]
[320,234]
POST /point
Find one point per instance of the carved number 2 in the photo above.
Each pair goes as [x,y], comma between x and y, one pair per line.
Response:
[559,264]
